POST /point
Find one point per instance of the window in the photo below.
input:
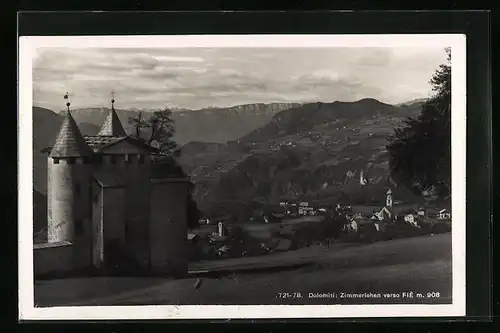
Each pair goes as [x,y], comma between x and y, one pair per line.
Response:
[71,160]
[127,159]
[86,160]
[140,159]
[78,227]
[112,159]
[56,161]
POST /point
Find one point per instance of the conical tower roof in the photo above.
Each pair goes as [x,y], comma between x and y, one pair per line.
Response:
[70,142]
[112,125]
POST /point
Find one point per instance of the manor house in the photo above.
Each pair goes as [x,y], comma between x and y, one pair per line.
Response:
[105,207]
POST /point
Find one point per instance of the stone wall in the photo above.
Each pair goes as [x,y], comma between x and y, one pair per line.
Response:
[168,226]
[68,196]
[113,221]
[53,258]
[135,175]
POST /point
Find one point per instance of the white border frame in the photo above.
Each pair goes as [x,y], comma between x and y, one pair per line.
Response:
[27,311]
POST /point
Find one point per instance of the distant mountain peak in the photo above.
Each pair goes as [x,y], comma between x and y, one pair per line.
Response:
[413,102]
[369,100]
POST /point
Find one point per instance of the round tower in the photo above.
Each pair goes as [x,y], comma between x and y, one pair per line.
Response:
[69,175]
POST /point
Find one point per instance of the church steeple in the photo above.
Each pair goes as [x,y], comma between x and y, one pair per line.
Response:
[112,125]
[69,142]
[388,199]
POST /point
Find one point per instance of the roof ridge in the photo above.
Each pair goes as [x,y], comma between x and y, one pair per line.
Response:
[70,141]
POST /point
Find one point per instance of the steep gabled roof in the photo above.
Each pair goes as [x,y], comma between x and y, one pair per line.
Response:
[112,125]
[70,142]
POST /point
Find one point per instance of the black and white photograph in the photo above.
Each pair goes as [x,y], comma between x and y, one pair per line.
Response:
[277,176]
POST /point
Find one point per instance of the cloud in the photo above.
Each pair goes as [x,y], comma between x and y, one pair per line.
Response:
[197,77]
[178,59]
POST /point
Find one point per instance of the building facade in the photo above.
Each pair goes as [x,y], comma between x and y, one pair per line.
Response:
[104,203]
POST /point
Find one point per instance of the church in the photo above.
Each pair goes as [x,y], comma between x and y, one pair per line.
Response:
[107,209]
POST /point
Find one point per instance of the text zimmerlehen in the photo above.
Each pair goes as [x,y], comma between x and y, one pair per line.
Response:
[344,295]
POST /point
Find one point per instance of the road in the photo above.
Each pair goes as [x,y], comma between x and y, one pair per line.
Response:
[420,265]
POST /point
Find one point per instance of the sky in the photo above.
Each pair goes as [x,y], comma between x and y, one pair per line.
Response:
[194,78]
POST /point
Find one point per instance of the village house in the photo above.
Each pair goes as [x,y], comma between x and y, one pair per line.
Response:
[366,226]
[352,225]
[107,209]
[412,219]
[443,214]
[223,251]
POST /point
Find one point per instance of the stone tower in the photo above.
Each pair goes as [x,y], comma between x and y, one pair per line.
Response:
[69,175]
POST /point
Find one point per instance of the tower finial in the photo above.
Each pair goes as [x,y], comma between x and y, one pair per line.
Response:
[112,99]
[66,97]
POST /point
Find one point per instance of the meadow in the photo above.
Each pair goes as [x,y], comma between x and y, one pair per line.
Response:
[418,264]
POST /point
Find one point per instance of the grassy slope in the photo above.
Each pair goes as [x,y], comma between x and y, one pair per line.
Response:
[420,264]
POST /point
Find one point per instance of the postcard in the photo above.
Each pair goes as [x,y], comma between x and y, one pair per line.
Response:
[230,177]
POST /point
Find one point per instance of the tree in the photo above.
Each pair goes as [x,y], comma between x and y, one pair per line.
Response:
[157,130]
[420,150]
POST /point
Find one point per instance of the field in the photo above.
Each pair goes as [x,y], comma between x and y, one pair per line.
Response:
[418,265]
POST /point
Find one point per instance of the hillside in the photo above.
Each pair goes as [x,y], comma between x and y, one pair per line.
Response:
[303,118]
[315,151]
[206,125]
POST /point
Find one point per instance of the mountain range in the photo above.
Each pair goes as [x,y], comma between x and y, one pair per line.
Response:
[317,151]
[206,125]
[265,152]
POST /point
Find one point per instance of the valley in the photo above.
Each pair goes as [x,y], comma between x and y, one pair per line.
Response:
[258,154]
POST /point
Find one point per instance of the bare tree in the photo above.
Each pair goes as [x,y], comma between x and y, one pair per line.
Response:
[157,130]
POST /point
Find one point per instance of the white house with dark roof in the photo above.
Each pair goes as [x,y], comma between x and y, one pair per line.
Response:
[444,214]
[106,202]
